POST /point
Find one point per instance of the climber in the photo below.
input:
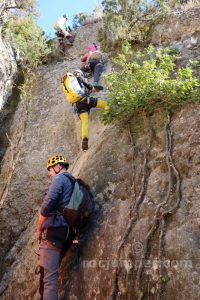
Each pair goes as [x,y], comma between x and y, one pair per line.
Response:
[82,100]
[63,30]
[53,232]
[92,62]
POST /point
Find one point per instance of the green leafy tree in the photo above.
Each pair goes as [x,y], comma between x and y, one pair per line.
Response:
[148,83]
[131,20]
[23,34]
[28,37]
[79,19]
[27,40]
[28,6]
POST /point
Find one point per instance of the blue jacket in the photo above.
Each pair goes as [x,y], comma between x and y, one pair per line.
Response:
[58,195]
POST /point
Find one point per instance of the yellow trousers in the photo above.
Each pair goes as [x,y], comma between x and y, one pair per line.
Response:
[85,118]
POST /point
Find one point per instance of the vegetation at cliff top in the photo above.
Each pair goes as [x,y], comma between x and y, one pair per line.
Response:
[24,35]
[79,19]
[148,82]
[25,6]
[133,20]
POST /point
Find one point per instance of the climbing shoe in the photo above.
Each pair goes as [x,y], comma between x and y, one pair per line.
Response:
[98,87]
[85,144]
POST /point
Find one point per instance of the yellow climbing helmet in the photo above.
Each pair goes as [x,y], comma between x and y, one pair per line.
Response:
[56,159]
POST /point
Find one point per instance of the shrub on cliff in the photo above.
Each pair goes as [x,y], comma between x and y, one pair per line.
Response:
[129,20]
[79,19]
[132,20]
[25,6]
[23,33]
[147,83]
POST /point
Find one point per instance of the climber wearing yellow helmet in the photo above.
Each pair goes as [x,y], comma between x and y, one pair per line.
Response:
[77,91]
[53,232]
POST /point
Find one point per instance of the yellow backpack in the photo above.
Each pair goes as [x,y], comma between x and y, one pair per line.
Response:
[72,89]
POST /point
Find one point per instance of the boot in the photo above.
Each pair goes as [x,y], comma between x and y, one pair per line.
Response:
[97,86]
[85,144]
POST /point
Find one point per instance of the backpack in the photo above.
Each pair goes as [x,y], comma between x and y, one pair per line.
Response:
[95,49]
[72,89]
[81,204]
[61,24]
[96,55]
[57,24]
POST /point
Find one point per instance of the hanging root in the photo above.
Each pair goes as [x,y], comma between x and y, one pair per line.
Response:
[134,213]
[133,166]
[147,241]
[163,210]
[168,210]
[160,256]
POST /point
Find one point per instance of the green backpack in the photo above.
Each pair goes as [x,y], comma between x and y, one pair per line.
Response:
[81,204]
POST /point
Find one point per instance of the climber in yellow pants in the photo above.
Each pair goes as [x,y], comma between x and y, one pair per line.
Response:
[83,109]
[77,92]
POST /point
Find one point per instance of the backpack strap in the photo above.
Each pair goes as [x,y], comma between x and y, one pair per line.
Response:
[63,82]
[65,87]
[71,178]
[73,181]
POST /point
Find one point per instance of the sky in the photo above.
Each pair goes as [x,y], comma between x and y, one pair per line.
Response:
[50,10]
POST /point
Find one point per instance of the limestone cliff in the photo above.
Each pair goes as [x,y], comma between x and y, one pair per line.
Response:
[144,239]
[180,30]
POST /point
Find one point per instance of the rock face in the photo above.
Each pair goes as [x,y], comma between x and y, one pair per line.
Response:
[181,30]
[144,240]
[8,67]
[96,16]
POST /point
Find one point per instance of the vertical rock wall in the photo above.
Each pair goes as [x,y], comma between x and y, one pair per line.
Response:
[181,31]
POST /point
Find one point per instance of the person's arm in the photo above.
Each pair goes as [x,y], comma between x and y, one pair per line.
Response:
[84,58]
[41,221]
[49,204]
[86,84]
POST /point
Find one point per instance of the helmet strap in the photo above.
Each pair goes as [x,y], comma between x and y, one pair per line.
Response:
[57,172]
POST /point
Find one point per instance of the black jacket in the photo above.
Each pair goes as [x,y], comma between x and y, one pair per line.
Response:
[88,87]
